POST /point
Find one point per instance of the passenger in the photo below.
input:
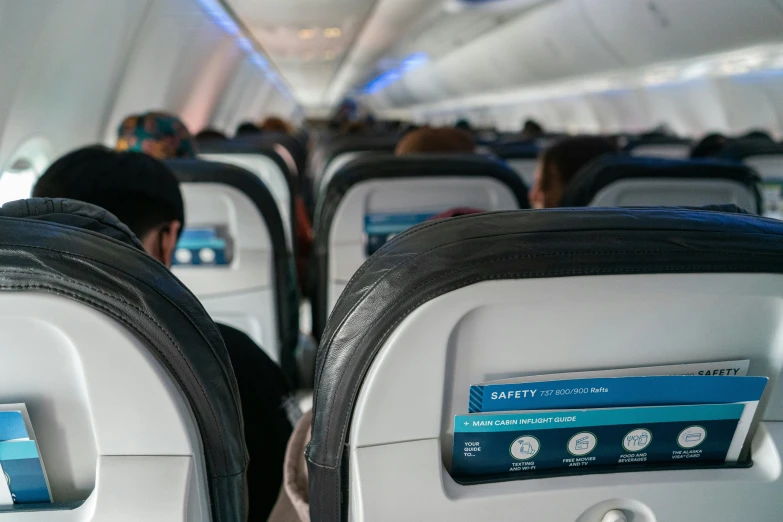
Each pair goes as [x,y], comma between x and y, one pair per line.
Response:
[352,128]
[532,130]
[247,129]
[559,164]
[144,194]
[433,140]
[710,146]
[758,135]
[161,135]
[279,125]
[209,134]
[463,125]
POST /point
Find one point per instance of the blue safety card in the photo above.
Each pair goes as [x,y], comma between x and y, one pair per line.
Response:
[615,392]
[21,465]
[489,444]
[12,426]
[382,227]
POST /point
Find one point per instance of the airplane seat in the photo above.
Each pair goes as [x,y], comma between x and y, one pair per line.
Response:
[767,159]
[372,199]
[660,147]
[627,181]
[126,379]
[247,278]
[522,157]
[333,150]
[459,302]
[266,162]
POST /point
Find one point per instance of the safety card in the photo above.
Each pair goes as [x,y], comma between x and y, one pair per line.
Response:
[488,444]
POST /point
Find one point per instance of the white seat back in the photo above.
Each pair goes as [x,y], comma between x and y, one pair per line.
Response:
[629,181]
[770,168]
[128,384]
[333,167]
[273,177]
[654,192]
[526,168]
[242,292]
[113,428]
[409,198]
[668,150]
[521,294]
[402,429]
[375,198]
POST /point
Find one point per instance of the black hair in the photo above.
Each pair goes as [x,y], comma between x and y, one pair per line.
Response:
[758,134]
[248,128]
[463,125]
[141,191]
[209,134]
[532,128]
[709,146]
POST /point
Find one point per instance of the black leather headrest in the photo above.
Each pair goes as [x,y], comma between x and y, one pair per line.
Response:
[361,143]
[439,257]
[655,140]
[72,213]
[198,171]
[738,150]
[80,252]
[609,169]
[420,166]
[257,145]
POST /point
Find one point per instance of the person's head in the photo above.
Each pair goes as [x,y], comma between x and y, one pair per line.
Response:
[158,134]
[560,163]
[532,129]
[247,128]
[429,140]
[210,135]
[709,146]
[758,135]
[275,124]
[463,125]
[141,191]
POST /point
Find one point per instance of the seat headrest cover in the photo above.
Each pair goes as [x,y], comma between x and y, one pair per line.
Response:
[608,169]
[438,257]
[83,253]
[73,213]
[655,140]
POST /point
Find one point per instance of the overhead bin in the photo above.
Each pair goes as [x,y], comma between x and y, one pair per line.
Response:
[643,32]
[547,43]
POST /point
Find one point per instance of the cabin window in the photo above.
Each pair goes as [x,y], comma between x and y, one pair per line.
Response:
[19,175]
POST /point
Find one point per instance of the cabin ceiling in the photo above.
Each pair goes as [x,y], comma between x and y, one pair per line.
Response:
[327,48]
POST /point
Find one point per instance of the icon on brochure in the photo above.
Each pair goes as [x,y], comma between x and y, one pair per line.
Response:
[582,443]
[525,448]
[691,437]
[637,440]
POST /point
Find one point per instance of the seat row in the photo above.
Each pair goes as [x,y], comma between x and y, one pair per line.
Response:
[134,402]
[365,196]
